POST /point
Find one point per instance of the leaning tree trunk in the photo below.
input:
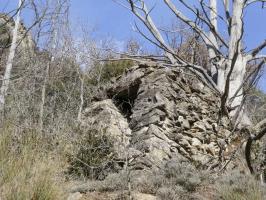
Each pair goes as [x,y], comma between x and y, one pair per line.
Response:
[10,60]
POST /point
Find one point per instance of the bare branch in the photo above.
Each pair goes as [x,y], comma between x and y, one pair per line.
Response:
[202,73]
[147,20]
[11,56]
[254,1]
[258,57]
[209,22]
[259,48]
[254,53]
[195,27]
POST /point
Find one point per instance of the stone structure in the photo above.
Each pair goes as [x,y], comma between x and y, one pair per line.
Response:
[162,113]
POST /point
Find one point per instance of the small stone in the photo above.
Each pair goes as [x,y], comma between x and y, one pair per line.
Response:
[200,126]
[74,196]
[221,143]
[184,122]
[184,142]
[207,125]
[196,142]
[215,126]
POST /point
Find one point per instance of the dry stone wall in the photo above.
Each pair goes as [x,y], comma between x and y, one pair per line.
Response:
[164,113]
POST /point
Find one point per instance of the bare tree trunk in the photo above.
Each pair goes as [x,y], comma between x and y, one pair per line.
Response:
[236,36]
[235,68]
[81,77]
[10,60]
[44,95]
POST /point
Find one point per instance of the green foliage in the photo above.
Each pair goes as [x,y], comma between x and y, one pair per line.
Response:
[103,73]
[115,68]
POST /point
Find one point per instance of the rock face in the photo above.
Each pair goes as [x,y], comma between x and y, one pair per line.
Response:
[6,27]
[105,117]
[26,46]
[159,113]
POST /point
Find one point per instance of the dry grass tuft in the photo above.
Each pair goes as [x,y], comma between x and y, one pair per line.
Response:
[27,170]
[237,186]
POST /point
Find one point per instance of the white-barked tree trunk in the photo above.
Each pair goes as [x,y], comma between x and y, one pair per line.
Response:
[10,59]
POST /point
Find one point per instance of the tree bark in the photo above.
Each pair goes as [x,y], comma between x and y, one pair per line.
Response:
[81,77]
[44,94]
[231,76]
[212,37]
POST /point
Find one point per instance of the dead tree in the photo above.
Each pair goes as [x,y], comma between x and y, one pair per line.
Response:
[226,55]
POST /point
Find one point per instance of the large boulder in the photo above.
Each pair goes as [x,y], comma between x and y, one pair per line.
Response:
[105,117]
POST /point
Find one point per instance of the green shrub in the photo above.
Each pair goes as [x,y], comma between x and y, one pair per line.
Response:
[91,156]
[184,174]
[115,68]
[176,180]
[103,73]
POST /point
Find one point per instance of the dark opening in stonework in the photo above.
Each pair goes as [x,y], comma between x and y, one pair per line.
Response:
[125,98]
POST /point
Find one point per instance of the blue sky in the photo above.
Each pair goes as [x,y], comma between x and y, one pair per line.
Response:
[114,20]
[111,20]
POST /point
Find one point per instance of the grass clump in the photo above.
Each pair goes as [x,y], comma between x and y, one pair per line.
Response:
[177,180]
[237,186]
[26,170]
